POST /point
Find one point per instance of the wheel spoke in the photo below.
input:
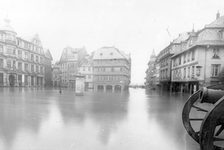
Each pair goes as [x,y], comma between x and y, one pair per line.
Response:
[220,130]
[199,109]
[196,119]
[218,139]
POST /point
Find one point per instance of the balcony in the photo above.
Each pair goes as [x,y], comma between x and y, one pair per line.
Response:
[10,41]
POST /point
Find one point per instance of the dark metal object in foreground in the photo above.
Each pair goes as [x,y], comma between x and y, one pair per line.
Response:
[210,121]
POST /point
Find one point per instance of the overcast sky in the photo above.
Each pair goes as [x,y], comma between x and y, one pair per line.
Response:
[133,26]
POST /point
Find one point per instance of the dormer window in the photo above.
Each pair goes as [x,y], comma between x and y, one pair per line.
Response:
[215,53]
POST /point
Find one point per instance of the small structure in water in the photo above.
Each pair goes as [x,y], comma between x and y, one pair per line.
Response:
[79,85]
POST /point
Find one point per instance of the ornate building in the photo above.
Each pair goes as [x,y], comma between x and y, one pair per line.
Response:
[111,69]
[21,61]
[71,59]
[200,58]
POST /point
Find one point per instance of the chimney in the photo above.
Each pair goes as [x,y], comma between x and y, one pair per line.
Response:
[217,15]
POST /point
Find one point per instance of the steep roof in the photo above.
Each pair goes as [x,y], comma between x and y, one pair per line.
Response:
[218,23]
[182,37]
[109,53]
[47,54]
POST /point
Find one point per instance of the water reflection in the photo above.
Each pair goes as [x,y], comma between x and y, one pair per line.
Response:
[44,119]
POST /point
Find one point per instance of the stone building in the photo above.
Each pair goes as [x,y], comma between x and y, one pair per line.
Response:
[69,62]
[21,61]
[86,69]
[111,69]
[151,72]
[56,75]
[48,68]
[200,58]
[164,59]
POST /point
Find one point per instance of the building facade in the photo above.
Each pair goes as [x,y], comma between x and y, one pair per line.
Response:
[200,59]
[111,69]
[48,68]
[21,61]
[152,72]
[71,59]
[86,69]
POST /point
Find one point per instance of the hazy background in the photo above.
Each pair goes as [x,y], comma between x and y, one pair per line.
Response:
[134,26]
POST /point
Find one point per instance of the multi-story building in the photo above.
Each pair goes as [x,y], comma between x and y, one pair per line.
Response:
[164,59]
[112,69]
[48,68]
[86,69]
[150,72]
[70,60]
[56,75]
[21,61]
[200,59]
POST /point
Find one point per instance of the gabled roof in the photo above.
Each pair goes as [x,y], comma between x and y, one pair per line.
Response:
[110,53]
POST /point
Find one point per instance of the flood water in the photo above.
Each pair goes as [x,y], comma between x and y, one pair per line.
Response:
[38,119]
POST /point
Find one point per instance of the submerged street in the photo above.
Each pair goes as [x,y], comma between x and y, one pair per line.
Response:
[43,119]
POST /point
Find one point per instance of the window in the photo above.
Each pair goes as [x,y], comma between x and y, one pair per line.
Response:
[184,58]
[26,67]
[184,73]
[1,48]
[32,68]
[20,66]
[37,59]
[188,56]
[1,63]
[215,53]
[83,68]
[192,72]
[215,70]
[37,69]
[198,70]
[220,34]
[9,63]
[89,68]
[32,57]
[20,53]
[121,69]
[26,55]
[188,72]
[112,69]
[179,60]
[193,55]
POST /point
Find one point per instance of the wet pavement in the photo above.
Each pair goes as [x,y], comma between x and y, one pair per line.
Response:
[38,119]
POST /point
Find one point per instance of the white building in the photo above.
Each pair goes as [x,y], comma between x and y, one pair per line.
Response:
[200,59]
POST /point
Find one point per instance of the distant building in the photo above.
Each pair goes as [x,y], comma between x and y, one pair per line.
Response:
[164,59]
[56,75]
[21,61]
[48,68]
[111,69]
[86,69]
[70,60]
[151,71]
[200,58]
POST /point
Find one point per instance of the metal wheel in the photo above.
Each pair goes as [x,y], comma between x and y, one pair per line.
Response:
[211,135]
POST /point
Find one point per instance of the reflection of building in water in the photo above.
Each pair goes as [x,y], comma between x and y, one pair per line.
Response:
[22,62]
[69,63]
[112,69]
[19,112]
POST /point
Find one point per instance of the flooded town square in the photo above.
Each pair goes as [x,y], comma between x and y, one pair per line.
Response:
[44,119]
